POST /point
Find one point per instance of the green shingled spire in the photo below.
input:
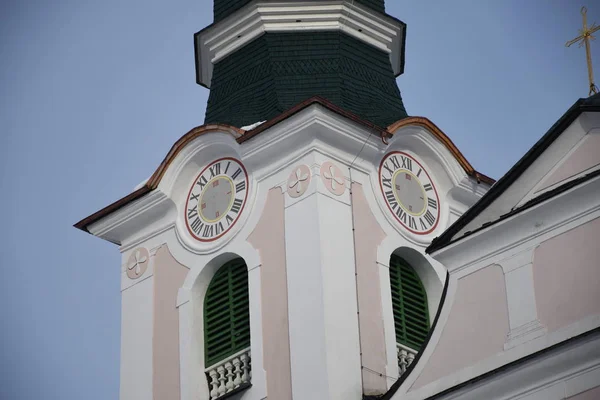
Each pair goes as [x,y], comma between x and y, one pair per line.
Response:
[278,70]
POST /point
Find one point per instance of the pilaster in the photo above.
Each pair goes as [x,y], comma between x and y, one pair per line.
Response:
[324,337]
[522,311]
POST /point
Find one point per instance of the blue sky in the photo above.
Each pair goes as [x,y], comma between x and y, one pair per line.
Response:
[93,94]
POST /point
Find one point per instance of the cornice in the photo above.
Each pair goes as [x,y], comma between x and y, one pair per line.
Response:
[128,220]
[523,230]
[219,40]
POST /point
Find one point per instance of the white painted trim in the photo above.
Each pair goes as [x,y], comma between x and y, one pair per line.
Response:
[523,230]
[245,25]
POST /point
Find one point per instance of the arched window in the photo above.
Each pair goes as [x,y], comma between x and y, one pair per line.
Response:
[411,316]
[227,329]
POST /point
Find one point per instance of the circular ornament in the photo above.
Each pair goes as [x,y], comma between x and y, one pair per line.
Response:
[409,193]
[216,199]
[333,178]
[137,263]
[298,181]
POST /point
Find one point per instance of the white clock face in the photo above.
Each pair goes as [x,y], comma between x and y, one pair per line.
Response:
[216,199]
[409,193]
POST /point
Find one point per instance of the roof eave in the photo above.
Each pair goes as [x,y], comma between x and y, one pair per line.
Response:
[579,107]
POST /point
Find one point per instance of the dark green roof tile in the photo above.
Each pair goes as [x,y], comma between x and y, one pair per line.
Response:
[279,70]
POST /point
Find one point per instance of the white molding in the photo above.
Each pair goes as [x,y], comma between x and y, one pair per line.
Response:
[528,228]
[129,220]
[250,22]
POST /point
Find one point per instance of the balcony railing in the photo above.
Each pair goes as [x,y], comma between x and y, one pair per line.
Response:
[406,356]
[229,375]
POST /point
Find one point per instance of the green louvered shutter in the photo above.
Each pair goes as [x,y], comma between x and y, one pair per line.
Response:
[226,312]
[409,300]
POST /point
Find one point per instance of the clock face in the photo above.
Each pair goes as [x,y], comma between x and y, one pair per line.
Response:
[216,199]
[409,192]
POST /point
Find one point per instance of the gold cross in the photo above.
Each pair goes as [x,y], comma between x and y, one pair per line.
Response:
[584,38]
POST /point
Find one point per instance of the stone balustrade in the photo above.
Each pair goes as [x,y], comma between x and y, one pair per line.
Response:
[229,374]
[406,356]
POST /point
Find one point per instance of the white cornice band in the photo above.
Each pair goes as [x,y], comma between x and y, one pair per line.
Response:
[245,25]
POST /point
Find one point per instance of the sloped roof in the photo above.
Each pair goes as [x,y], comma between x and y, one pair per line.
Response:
[590,104]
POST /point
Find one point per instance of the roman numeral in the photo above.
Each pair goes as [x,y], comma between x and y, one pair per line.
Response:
[395,162]
[202,182]
[407,163]
[411,222]
[215,170]
[429,217]
[237,204]
[194,196]
[208,230]
[419,173]
[401,214]
[423,226]
[196,225]
[229,220]
[219,228]
[432,203]
[391,199]
[387,182]
[240,186]
[391,171]
[427,187]
[236,174]
[192,211]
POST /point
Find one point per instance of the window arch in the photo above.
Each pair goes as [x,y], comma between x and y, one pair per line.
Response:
[227,313]
[409,302]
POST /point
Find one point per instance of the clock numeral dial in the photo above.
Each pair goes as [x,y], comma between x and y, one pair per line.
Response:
[216,199]
[409,193]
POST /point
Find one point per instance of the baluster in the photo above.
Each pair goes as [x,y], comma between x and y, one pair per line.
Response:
[222,387]
[245,375]
[237,371]
[249,367]
[214,382]
[410,359]
[402,361]
[229,384]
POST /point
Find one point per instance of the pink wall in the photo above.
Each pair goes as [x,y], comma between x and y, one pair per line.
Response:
[566,273]
[168,278]
[586,156]
[476,327]
[368,236]
[592,394]
[269,239]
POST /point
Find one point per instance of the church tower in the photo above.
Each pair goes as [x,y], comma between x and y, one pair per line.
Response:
[278,251]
